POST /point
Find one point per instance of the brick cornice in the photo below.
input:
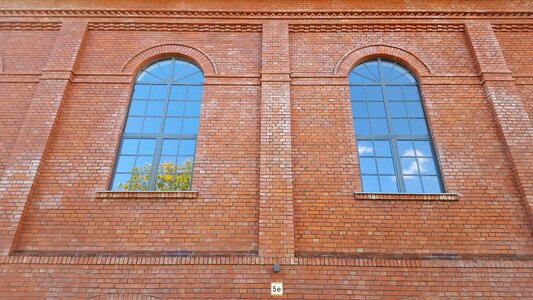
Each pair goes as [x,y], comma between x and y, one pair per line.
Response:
[183,27]
[302,28]
[30,26]
[513,27]
[263,14]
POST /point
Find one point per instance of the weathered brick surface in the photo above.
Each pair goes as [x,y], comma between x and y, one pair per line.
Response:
[276,176]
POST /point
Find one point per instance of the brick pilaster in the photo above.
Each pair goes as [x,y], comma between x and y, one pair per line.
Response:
[507,107]
[18,179]
[276,227]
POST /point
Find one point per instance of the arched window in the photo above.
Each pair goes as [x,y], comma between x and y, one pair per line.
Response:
[159,139]
[393,142]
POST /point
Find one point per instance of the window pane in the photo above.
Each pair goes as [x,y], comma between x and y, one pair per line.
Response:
[405,148]
[173,125]
[382,148]
[192,109]
[414,109]
[178,92]
[365,148]
[359,109]
[385,166]
[365,72]
[187,147]
[158,92]
[357,93]
[170,147]
[411,92]
[175,108]
[427,166]
[133,125]
[374,93]
[400,126]
[143,162]
[397,109]
[370,183]
[155,108]
[418,126]
[137,108]
[190,126]
[379,126]
[129,146]
[125,164]
[376,109]
[423,148]
[140,91]
[119,180]
[394,93]
[147,147]
[151,125]
[368,165]
[388,184]
[409,165]
[431,184]
[374,69]
[362,126]
[412,184]
[194,93]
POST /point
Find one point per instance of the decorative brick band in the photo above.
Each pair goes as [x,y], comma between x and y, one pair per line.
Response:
[111,195]
[262,14]
[175,27]
[354,57]
[30,26]
[203,60]
[407,197]
[513,27]
[302,28]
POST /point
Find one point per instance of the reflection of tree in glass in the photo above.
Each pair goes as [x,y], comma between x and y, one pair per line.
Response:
[171,177]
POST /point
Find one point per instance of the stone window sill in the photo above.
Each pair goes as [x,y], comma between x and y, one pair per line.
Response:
[152,195]
[408,197]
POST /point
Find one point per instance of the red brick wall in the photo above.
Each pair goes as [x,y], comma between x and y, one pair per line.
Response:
[276,168]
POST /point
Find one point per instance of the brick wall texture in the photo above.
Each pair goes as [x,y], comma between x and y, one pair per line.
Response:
[276,174]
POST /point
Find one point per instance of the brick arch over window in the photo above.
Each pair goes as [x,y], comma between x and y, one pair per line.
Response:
[200,58]
[356,56]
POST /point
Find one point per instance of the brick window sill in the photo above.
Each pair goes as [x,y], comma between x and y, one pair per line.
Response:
[408,197]
[151,195]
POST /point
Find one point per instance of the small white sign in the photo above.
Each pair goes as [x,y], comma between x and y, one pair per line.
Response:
[276,288]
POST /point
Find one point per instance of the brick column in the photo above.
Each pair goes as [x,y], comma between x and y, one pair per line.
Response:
[18,180]
[276,227]
[507,107]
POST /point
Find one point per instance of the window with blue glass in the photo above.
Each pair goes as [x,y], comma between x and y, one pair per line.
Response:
[393,141]
[159,140]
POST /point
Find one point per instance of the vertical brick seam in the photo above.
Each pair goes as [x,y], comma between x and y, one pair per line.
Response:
[24,164]
[276,224]
[508,109]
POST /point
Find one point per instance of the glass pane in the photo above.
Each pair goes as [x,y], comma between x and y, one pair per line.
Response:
[400,126]
[120,179]
[357,92]
[409,166]
[427,166]
[144,162]
[382,148]
[395,73]
[147,77]
[192,109]
[147,147]
[356,78]
[374,70]
[365,72]
[359,109]
[365,148]
[362,126]
[197,77]
[170,147]
[165,67]
[370,184]
[155,108]
[394,92]
[190,126]
[418,126]
[374,92]
[423,148]
[185,163]
[187,147]
[179,68]
[151,125]
[175,108]
[158,92]
[137,108]
[125,164]
[406,78]
[368,165]
[194,93]
[431,184]
[178,92]
[388,184]
[397,109]
[188,71]
[166,161]
[386,68]
[410,92]
[129,146]
[385,166]
[173,125]
[412,184]
[133,125]
[140,91]
[405,148]
[156,71]
[376,109]
[379,126]
[414,109]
